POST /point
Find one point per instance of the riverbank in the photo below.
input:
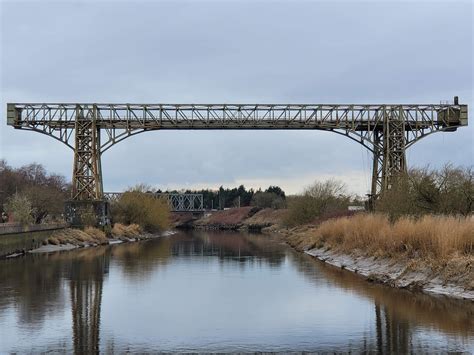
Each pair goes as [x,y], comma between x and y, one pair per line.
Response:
[69,239]
[432,255]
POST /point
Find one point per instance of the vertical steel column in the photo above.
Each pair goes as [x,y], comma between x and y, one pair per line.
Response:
[389,162]
[377,164]
[87,204]
[87,174]
[394,147]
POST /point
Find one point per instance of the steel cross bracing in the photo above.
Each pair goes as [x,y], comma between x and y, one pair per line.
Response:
[387,130]
[178,202]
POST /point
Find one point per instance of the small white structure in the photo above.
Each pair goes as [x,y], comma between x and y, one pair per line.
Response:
[356,208]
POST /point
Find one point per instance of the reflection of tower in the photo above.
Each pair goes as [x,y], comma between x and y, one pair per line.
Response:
[86,297]
[393,335]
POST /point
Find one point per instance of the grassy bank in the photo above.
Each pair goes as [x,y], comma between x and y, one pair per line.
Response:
[440,246]
[440,237]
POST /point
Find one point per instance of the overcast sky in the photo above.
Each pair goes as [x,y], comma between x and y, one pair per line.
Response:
[232,52]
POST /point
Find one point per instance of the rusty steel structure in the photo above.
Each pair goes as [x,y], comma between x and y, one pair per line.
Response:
[177,202]
[90,129]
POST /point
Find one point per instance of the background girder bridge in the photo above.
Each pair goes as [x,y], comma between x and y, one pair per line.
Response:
[177,202]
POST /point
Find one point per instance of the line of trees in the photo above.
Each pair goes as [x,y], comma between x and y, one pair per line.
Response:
[32,194]
[425,191]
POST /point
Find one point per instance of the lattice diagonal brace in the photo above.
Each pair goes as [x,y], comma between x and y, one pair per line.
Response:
[87,174]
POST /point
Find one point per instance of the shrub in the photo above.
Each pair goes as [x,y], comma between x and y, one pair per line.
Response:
[145,210]
[268,200]
[318,199]
[423,191]
[21,208]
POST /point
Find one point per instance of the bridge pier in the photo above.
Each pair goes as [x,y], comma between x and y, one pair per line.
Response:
[79,213]
[87,205]
[389,157]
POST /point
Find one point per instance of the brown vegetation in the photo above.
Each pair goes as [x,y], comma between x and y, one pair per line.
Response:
[449,190]
[89,235]
[429,236]
[318,199]
[442,244]
[45,193]
[137,207]
[266,217]
[232,217]
[119,230]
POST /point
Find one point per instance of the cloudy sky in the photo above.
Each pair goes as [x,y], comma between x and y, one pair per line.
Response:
[235,52]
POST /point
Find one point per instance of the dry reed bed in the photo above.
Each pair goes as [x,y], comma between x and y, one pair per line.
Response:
[442,246]
[128,231]
[91,235]
[439,237]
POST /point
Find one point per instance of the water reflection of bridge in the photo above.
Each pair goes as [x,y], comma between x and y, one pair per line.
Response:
[398,312]
[86,283]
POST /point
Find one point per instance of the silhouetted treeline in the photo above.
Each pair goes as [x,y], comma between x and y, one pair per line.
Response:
[273,197]
[44,193]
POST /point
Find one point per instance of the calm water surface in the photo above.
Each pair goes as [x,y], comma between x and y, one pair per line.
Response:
[205,291]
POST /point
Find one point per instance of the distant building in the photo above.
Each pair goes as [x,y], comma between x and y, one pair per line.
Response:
[356,208]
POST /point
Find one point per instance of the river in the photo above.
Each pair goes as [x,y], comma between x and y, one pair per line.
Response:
[211,292]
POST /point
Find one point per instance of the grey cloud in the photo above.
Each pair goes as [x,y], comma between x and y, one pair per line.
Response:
[314,52]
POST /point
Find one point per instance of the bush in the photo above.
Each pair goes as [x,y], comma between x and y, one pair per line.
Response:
[318,199]
[268,200]
[424,191]
[137,207]
[20,206]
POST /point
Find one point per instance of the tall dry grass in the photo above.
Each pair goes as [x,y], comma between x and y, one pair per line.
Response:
[428,236]
[76,236]
[120,230]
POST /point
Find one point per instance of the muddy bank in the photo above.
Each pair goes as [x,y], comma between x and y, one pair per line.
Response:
[243,218]
[394,273]
[231,219]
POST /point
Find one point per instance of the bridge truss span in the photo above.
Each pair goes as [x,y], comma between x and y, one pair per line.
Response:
[177,202]
[387,130]
[122,120]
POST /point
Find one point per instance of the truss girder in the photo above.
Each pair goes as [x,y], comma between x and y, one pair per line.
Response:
[386,130]
[178,202]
